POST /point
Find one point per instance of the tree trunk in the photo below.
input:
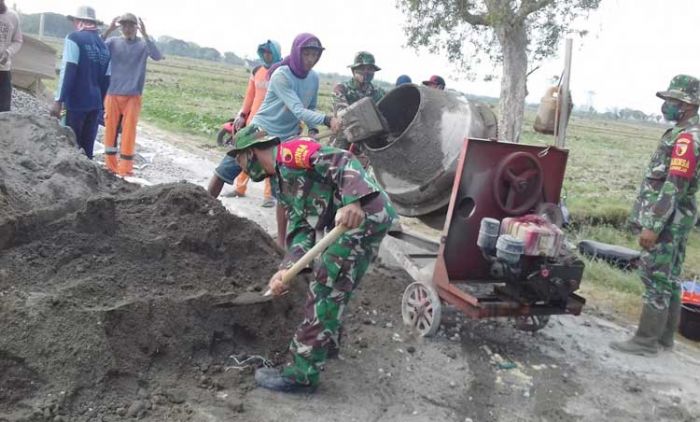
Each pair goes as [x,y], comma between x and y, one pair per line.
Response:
[513,39]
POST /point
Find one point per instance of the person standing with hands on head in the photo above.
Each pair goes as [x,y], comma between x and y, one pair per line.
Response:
[269,53]
[314,181]
[666,211]
[84,78]
[10,43]
[123,101]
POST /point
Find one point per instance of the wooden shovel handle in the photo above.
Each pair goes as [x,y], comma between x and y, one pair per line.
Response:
[309,256]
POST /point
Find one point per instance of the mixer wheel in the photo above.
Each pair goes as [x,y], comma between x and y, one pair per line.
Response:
[421,308]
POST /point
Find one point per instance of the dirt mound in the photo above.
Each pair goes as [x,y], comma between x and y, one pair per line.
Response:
[108,290]
[41,167]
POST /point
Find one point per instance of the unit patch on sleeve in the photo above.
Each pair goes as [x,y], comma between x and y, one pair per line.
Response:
[297,153]
[683,158]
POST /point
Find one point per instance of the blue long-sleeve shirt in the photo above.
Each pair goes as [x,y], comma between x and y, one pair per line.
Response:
[129,64]
[85,72]
[289,100]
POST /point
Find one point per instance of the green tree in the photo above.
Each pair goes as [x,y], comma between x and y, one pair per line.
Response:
[514,33]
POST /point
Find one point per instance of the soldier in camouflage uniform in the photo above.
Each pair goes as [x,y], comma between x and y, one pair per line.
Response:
[312,181]
[360,86]
[666,212]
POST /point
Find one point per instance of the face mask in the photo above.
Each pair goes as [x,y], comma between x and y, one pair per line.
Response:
[671,111]
[255,169]
[364,77]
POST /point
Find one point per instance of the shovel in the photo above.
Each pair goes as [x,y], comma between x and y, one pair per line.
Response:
[251,298]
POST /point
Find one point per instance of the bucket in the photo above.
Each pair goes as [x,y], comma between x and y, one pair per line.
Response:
[362,121]
[689,326]
[690,292]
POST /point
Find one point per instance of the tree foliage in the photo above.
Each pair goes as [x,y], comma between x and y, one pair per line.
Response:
[516,33]
[467,31]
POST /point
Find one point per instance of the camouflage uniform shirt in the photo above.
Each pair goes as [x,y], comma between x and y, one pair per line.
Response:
[312,182]
[671,181]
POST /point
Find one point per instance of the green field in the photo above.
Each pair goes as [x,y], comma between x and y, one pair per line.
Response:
[606,160]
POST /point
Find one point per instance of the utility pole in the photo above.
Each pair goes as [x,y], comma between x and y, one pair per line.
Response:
[564,96]
[41,26]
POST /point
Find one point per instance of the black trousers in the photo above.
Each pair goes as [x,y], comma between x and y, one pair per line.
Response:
[5,90]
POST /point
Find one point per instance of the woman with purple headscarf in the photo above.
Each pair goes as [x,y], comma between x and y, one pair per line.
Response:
[291,98]
[293,93]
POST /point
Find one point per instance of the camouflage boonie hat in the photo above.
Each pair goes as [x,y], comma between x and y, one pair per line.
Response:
[251,136]
[363,58]
[683,88]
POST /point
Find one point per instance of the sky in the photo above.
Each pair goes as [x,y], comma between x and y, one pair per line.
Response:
[633,49]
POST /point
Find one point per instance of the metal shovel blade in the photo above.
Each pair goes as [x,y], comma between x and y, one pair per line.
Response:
[246,298]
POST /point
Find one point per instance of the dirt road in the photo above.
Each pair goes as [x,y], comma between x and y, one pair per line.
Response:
[565,372]
[131,339]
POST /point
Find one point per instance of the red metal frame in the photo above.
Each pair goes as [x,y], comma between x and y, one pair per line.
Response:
[459,260]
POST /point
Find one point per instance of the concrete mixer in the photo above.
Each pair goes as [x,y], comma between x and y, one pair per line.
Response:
[500,253]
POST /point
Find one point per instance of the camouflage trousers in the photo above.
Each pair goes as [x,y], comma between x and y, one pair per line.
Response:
[336,275]
[661,267]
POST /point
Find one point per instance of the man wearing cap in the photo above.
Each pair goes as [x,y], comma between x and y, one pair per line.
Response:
[84,78]
[123,101]
[269,53]
[10,43]
[665,211]
[436,82]
[313,181]
[360,86]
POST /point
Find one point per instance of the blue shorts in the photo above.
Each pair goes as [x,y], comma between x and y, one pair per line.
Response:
[228,169]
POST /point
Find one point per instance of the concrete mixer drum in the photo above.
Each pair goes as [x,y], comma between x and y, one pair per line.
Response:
[417,161]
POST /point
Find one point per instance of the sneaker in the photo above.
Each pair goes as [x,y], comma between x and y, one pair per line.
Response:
[272,379]
[268,203]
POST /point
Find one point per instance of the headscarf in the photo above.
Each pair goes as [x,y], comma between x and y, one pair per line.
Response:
[274,48]
[294,60]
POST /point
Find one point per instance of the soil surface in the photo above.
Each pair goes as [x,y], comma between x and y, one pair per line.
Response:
[115,304]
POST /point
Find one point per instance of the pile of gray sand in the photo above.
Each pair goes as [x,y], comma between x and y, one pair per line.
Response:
[110,293]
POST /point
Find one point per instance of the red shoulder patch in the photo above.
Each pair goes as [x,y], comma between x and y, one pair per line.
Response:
[297,153]
[683,160]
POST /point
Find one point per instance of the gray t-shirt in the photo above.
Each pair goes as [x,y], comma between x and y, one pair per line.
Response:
[129,64]
[10,37]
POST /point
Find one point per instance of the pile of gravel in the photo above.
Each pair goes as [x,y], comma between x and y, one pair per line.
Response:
[23,102]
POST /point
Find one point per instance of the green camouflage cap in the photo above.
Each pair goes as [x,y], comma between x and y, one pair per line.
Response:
[364,58]
[251,136]
[683,88]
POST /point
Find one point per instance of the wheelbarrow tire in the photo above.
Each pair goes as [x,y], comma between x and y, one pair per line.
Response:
[421,308]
